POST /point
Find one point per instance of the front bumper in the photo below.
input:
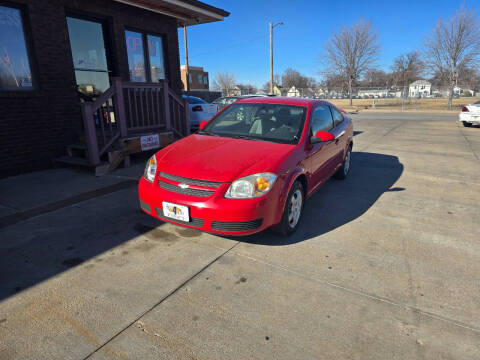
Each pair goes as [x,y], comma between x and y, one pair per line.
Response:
[467,117]
[214,213]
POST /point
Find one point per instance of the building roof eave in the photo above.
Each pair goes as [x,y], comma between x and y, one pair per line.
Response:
[187,12]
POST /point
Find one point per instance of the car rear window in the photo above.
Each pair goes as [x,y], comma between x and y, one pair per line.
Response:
[195,100]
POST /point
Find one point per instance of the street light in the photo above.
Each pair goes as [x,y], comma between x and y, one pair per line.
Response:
[271,54]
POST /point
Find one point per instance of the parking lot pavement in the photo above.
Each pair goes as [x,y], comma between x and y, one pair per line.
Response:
[385,265]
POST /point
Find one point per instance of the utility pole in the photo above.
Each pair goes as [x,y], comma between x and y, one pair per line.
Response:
[187,71]
[271,58]
[271,26]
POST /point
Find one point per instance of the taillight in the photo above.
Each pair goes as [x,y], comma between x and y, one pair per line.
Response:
[465,109]
[197,108]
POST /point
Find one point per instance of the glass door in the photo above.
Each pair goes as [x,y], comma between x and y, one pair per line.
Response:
[89,56]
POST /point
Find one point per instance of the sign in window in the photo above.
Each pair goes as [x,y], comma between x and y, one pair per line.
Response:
[145,57]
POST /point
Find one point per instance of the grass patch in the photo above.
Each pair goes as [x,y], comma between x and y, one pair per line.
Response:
[437,105]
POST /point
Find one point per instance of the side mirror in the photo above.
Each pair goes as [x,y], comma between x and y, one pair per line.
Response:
[322,136]
[202,124]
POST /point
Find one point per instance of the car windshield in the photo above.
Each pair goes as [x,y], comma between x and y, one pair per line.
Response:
[259,121]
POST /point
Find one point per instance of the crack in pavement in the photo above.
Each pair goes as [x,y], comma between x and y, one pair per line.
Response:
[382,136]
[468,141]
[368,295]
[172,292]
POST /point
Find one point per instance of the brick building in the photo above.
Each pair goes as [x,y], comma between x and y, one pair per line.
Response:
[197,78]
[57,54]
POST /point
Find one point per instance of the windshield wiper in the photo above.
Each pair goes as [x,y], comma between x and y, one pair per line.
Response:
[245,137]
[207,133]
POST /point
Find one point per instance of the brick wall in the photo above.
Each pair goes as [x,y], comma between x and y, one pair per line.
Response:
[36,125]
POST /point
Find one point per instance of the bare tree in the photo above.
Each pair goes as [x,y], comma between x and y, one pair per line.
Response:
[224,82]
[352,51]
[407,68]
[247,89]
[277,81]
[453,44]
[292,77]
[376,78]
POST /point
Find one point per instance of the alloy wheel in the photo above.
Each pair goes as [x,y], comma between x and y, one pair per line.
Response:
[346,165]
[295,208]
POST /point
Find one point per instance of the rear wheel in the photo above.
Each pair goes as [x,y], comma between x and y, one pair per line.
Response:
[292,212]
[345,168]
[466,124]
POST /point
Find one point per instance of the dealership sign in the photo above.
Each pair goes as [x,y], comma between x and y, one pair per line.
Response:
[150,142]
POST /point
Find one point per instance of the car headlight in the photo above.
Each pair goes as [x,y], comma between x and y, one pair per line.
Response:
[150,169]
[251,186]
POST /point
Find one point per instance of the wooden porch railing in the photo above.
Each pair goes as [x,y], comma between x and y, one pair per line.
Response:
[128,108]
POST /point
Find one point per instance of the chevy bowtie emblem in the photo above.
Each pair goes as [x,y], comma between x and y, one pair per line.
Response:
[183,186]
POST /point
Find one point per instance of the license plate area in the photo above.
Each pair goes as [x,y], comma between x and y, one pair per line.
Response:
[175,211]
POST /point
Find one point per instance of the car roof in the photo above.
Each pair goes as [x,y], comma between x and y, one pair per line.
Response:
[282,100]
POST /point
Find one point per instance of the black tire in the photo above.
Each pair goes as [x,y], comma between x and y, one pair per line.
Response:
[286,227]
[467,124]
[343,171]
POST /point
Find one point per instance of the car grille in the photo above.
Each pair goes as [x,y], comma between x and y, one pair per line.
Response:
[194,222]
[187,191]
[210,184]
[237,226]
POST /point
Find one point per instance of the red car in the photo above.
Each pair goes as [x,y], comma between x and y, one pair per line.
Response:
[250,167]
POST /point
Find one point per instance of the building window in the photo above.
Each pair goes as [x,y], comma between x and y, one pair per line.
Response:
[200,78]
[89,56]
[15,73]
[205,80]
[189,78]
[145,52]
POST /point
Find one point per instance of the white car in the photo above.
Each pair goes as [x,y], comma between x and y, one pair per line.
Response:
[200,111]
[470,114]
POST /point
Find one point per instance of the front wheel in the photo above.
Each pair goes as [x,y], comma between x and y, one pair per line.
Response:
[292,212]
[345,168]
[466,124]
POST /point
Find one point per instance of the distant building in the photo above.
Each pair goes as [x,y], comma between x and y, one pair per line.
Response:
[277,90]
[420,88]
[373,92]
[240,90]
[295,92]
[197,78]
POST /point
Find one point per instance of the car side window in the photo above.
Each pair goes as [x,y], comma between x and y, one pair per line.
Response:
[337,116]
[321,119]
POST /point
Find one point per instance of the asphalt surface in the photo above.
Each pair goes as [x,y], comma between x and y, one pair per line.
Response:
[385,265]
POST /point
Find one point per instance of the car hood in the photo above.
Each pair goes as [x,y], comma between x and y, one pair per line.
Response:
[220,159]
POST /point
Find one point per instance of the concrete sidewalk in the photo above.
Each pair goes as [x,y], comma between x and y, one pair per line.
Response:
[32,194]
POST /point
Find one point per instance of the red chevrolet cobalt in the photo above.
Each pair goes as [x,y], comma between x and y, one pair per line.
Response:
[251,167]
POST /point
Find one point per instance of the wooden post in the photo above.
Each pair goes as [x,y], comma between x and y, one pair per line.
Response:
[166,104]
[120,107]
[90,133]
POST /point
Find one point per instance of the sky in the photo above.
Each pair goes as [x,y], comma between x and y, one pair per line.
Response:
[240,43]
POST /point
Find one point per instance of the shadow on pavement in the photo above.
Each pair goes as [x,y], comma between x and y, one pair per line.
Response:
[45,246]
[339,202]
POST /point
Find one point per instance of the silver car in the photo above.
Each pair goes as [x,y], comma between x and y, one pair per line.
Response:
[200,111]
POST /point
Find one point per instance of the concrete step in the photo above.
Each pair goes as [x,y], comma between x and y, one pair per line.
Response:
[73,160]
[100,169]
[79,149]
[78,146]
